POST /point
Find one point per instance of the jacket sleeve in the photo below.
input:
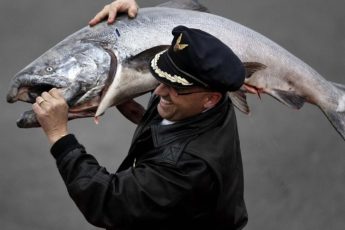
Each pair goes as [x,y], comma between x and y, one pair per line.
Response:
[150,191]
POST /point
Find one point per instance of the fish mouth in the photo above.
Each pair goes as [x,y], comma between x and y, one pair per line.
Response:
[28,94]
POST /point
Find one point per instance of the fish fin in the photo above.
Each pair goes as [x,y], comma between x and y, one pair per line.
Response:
[337,116]
[290,99]
[337,119]
[239,99]
[133,72]
[252,67]
[185,4]
[141,61]
[339,86]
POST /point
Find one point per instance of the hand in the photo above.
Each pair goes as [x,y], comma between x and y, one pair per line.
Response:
[132,110]
[51,111]
[111,10]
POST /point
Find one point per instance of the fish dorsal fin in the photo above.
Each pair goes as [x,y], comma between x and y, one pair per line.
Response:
[185,4]
[252,67]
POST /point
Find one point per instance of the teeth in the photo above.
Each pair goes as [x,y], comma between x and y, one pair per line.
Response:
[165,101]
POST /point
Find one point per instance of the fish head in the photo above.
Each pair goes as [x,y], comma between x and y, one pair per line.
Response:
[79,68]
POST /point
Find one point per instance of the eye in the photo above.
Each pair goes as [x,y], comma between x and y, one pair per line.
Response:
[49,69]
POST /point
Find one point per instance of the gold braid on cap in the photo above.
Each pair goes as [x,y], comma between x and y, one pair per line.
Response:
[162,74]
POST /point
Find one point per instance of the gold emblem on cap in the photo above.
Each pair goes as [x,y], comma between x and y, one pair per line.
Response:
[178,46]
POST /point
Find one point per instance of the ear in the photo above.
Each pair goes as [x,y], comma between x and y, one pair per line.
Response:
[212,99]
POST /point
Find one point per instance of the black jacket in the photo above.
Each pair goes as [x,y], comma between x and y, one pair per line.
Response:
[187,175]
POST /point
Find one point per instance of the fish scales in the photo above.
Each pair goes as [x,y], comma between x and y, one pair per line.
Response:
[121,53]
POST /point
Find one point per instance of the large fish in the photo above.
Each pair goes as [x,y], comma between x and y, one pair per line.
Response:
[102,66]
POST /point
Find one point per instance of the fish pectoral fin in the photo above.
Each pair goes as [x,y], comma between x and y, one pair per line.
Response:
[239,99]
[132,78]
[252,67]
[141,61]
[184,4]
[290,99]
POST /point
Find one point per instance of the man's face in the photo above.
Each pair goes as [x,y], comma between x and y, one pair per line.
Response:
[177,105]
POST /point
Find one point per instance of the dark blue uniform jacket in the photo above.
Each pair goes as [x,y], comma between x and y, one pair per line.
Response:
[186,175]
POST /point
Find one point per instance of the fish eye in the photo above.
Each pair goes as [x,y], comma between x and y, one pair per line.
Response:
[49,69]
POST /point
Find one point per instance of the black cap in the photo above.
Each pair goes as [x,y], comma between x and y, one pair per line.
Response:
[196,58]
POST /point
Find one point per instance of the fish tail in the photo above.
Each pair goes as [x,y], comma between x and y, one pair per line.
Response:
[337,116]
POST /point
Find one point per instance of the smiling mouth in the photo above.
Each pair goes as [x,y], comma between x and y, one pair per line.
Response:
[165,101]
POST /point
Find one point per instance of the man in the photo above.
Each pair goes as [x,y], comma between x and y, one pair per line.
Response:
[184,167]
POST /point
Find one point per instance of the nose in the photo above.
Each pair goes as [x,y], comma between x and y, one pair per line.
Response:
[162,90]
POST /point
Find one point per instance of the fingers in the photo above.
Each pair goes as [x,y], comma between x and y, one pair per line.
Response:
[111,10]
[47,97]
[133,11]
[112,15]
[51,112]
[100,16]
[55,93]
[39,100]
[51,97]
[37,108]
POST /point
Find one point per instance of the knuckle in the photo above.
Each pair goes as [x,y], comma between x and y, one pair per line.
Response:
[47,108]
[43,114]
[114,4]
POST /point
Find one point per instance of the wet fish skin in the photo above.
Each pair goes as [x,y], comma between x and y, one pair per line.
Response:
[273,70]
[80,68]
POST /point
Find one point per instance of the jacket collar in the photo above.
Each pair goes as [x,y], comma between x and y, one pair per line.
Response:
[165,134]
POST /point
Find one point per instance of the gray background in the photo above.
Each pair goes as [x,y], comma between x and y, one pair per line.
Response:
[294,161]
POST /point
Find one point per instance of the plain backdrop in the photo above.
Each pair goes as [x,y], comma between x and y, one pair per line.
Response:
[294,161]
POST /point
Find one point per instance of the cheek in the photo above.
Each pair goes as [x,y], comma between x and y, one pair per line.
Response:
[192,106]
[166,109]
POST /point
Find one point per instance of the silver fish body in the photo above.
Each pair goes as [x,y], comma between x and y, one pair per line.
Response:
[116,60]
[281,75]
